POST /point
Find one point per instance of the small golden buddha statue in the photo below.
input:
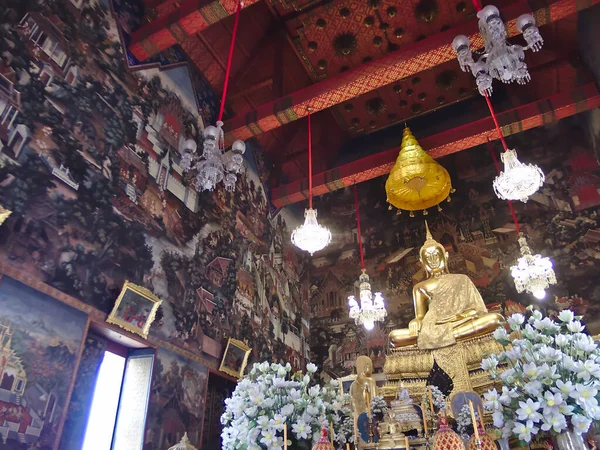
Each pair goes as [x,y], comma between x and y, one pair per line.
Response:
[362,390]
[448,307]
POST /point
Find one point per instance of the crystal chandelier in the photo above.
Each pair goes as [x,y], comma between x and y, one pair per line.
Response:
[214,165]
[532,273]
[310,236]
[500,59]
[518,181]
[369,311]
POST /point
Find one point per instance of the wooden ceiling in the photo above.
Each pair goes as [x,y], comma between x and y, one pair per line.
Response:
[364,68]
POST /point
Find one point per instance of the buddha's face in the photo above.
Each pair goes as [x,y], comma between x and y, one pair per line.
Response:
[434,259]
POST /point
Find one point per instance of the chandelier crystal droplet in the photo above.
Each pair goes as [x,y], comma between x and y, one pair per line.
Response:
[518,181]
[500,59]
[532,273]
[310,236]
[371,309]
[214,165]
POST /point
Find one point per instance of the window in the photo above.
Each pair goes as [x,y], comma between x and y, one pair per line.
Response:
[118,412]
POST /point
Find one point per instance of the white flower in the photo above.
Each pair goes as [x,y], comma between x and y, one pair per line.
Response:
[500,334]
[546,324]
[281,372]
[533,388]
[584,395]
[556,421]
[287,410]
[586,370]
[508,395]
[562,340]
[514,353]
[492,399]
[252,411]
[566,316]
[575,326]
[530,370]
[301,430]
[268,437]
[498,418]
[490,363]
[515,321]
[524,430]
[263,421]
[535,316]
[314,391]
[565,388]
[277,422]
[580,423]
[550,354]
[311,368]
[585,343]
[552,403]
[528,411]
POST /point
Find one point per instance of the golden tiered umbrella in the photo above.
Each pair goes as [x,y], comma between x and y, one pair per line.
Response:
[417,181]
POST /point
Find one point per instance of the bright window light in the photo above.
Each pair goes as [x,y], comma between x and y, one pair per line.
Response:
[103,414]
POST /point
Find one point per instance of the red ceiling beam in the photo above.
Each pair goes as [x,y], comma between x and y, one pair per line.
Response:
[523,118]
[192,17]
[392,67]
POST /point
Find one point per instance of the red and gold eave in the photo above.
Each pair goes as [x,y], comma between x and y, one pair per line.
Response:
[190,18]
[535,114]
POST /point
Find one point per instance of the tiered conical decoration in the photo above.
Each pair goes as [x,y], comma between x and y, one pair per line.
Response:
[417,181]
[324,443]
[185,444]
[445,438]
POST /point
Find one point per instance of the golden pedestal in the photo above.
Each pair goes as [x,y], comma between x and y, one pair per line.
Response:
[409,367]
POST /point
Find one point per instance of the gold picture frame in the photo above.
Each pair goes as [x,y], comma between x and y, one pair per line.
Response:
[135,309]
[345,383]
[235,358]
[4,213]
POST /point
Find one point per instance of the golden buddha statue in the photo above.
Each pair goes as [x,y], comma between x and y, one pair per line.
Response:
[362,390]
[448,307]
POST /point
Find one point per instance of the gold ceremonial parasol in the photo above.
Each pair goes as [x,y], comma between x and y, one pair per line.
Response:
[417,181]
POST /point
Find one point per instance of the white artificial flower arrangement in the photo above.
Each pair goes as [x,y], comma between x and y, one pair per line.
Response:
[378,405]
[271,396]
[464,423]
[551,377]
[439,400]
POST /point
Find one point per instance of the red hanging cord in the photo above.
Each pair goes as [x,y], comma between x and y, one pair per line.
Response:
[309,164]
[510,205]
[229,59]
[498,129]
[360,246]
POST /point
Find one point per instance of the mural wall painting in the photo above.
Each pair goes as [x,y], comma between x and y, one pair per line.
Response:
[562,221]
[90,155]
[40,343]
[177,401]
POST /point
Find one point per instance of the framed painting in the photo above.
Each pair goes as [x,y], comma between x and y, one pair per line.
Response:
[134,309]
[235,358]
[345,383]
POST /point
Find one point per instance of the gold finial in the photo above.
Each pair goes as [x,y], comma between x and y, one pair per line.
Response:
[428,236]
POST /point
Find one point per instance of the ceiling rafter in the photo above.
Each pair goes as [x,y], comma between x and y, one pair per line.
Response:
[408,61]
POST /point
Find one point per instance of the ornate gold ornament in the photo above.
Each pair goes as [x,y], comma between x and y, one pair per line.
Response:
[417,181]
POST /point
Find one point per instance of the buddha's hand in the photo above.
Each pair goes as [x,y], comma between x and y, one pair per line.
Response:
[414,327]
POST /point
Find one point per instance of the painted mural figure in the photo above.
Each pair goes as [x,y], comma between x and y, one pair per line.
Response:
[447,306]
